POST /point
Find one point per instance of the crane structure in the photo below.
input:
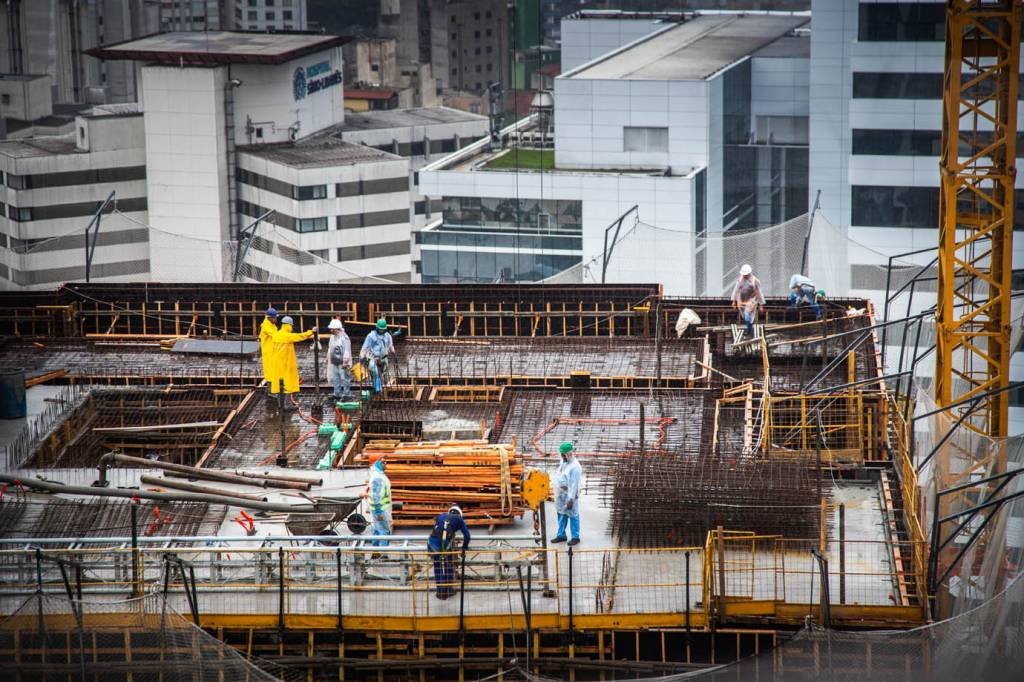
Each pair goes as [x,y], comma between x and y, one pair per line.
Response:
[979,134]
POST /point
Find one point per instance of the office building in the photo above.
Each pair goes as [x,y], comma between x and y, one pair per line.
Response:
[674,130]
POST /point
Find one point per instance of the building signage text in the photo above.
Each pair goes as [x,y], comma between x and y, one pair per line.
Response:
[314,78]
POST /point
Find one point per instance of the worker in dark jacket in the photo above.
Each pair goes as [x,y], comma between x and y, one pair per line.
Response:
[441,544]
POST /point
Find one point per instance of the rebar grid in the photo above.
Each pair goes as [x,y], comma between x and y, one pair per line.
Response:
[605,424]
[169,425]
[439,420]
[667,498]
[30,518]
[548,357]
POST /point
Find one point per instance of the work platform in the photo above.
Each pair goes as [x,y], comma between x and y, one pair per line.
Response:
[733,485]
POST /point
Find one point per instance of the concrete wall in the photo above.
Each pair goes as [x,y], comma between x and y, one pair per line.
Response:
[267,97]
[30,97]
[186,171]
[590,115]
[110,133]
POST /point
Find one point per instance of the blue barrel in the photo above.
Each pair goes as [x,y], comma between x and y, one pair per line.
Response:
[12,395]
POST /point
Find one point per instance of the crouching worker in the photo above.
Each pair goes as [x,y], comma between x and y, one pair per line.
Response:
[441,545]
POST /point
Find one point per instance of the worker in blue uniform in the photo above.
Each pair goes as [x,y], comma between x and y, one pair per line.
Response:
[441,545]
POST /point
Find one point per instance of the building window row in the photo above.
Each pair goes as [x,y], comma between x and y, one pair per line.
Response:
[902,22]
[886,206]
[322,224]
[70,178]
[360,188]
[421,148]
[24,214]
[475,240]
[353,253]
[888,142]
[280,187]
[886,85]
[550,215]
[483,267]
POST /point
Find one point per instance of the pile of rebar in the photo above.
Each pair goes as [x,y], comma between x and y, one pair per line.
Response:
[668,499]
[428,477]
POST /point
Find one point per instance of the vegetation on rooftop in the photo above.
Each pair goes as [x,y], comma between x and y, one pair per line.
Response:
[526,159]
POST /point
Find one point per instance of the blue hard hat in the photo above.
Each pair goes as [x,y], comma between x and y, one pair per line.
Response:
[271,312]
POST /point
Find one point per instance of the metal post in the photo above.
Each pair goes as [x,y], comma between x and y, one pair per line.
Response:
[317,411]
[572,633]
[657,343]
[133,507]
[686,556]
[337,567]
[462,600]
[544,548]
[842,553]
[280,590]
[39,588]
[642,444]
[282,459]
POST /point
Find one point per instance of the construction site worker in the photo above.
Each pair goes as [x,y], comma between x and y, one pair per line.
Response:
[267,329]
[747,297]
[379,494]
[803,292]
[285,365]
[567,495]
[441,545]
[377,348]
[339,360]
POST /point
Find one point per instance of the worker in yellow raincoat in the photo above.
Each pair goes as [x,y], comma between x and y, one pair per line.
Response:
[267,331]
[285,366]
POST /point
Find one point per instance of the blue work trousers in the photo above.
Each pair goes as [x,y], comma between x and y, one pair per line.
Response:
[380,524]
[444,570]
[748,319]
[572,521]
[805,298]
[341,379]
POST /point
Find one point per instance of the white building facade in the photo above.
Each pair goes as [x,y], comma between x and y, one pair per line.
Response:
[52,186]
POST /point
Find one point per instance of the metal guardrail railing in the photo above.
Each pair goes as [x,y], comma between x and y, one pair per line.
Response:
[500,582]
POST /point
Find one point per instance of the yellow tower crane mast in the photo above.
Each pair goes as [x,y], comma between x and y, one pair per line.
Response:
[979,135]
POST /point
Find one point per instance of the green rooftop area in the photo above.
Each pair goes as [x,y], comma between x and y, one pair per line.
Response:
[527,159]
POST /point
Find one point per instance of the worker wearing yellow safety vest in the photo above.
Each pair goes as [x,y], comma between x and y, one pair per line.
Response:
[267,331]
[285,368]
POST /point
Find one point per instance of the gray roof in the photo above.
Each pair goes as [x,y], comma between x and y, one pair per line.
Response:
[695,49]
[403,118]
[219,47]
[318,153]
[39,146]
[788,46]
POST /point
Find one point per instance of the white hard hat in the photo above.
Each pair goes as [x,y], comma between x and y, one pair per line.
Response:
[454,509]
[746,270]
[334,324]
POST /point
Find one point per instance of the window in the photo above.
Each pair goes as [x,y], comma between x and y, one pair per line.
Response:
[259,133]
[270,3]
[490,67]
[322,254]
[288,27]
[5,99]
[455,36]
[910,86]
[489,49]
[18,181]
[286,15]
[253,16]
[374,67]
[487,14]
[884,142]
[478,70]
[238,13]
[488,32]
[453,18]
[252,3]
[455,72]
[270,16]
[81,134]
[476,51]
[635,139]
[455,54]
[476,34]
[476,16]
[479,85]
[311,225]
[307,192]
[21,215]
[902,21]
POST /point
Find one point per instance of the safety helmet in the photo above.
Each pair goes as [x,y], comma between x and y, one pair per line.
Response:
[746,270]
[334,324]
[286,320]
[454,509]
[382,324]
[821,292]
[271,312]
[565,448]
